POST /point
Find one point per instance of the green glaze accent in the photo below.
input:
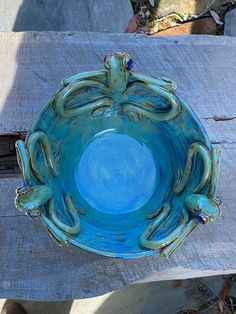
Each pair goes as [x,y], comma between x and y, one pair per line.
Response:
[114,84]
[172,247]
[198,207]
[76,87]
[203,208]
[84,76]
[117,73]
[146,112]
[207,208]
[41,138]
[165,83]
[23,161]
[194,149]
[31,198]
[163,211]
[159,223]
[73,213]
[57,234]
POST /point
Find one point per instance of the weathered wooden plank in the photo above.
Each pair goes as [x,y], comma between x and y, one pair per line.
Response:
[32,266]
[37,268]
[31,66]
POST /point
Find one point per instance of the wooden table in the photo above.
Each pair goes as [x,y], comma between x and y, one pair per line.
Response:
[32,266]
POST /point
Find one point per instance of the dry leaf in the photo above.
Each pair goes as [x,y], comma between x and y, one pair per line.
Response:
[133,24]
[177,283]
[164,23]
[224,293]
[152,2]
[216,17]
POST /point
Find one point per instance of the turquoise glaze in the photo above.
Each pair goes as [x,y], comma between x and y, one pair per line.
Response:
[117,164]
[112,166]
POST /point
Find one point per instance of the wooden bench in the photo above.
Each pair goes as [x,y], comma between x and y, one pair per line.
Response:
[32,64]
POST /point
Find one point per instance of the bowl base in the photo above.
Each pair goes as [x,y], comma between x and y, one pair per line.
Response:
[116,174]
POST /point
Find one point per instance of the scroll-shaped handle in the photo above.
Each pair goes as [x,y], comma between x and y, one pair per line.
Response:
[30,196]
[144,110]
[33,197]
[60,231]
[41,138]
[57,234]
[65,93]
[23,161]
[204,207]
[89,75]
[194,149]
[75,228]
[164,82]
[145,239]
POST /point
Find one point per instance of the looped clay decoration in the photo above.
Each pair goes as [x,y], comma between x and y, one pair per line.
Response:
[117,164]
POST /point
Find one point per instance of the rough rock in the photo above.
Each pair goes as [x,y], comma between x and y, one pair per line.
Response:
[109,16]
[230,23]
[165,7]
[202,26]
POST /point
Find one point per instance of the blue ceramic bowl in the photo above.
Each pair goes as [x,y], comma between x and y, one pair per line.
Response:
[105,160]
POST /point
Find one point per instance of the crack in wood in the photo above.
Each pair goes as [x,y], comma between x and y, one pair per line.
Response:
[223,142]
[220,118]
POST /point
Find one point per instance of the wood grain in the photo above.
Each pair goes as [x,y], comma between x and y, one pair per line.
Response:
[31,66]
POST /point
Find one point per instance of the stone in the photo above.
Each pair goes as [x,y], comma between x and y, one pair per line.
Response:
[202,26]
[108,16]
[165,7]
[230,23]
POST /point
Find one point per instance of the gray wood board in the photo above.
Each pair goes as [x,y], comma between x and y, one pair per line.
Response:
[31,66]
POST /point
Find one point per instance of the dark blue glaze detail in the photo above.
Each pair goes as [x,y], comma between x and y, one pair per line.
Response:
[200,219]
[130,65]
[23,187]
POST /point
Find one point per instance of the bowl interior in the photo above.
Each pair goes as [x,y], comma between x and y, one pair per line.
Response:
[118,169]
[116,173]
